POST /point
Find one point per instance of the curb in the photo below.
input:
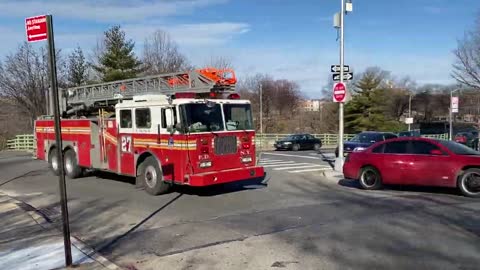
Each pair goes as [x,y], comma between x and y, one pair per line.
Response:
[43,222]
[333,174]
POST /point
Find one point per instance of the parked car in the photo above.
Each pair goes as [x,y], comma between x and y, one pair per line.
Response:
[416,161]
[467,138]
[411,133]
[298,142]
[363,140]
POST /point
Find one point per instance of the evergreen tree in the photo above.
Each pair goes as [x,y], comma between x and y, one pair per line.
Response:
[118,61]
[77,68]
[367,109]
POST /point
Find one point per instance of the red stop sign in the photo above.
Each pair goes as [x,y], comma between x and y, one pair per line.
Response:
[339,92]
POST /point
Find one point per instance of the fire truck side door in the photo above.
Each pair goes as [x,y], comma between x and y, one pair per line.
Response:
[125,142]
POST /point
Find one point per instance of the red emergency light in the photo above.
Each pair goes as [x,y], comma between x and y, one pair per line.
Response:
[234,96]
[185,95]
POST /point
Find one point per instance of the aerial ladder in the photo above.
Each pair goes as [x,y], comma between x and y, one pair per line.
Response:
[103,96]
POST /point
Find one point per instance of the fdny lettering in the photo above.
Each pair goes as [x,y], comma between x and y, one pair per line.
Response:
[126,143]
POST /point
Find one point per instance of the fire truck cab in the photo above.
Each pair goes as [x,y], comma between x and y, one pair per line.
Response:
[196,136]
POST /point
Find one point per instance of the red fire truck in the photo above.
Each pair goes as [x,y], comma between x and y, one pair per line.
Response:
[188,128]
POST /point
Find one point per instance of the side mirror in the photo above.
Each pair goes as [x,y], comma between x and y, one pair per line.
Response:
[179,128]
[436,152]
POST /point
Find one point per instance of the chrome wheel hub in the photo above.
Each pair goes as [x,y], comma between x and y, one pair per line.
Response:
[54,162]
[471,182]
[150,176]
[369,178]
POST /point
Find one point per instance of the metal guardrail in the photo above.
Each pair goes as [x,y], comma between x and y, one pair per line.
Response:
[266,141]
[26,142]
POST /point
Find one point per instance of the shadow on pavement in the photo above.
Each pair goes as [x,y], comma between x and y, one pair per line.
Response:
[221,189]
[214,190]
[420,189]
[115,240]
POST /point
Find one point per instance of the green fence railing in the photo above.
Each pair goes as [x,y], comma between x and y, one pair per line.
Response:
[26,142]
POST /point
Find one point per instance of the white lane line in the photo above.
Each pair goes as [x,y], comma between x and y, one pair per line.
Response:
[301,167]
[287,155]
[272,160]
[310,170]
[280,165]
[277,162]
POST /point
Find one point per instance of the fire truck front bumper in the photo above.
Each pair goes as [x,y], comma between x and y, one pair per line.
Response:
[225,176]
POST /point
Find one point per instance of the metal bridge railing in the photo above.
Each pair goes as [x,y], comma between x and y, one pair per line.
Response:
[26,142]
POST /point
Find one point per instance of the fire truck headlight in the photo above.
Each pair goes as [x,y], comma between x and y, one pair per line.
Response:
[247,159]
[205,164]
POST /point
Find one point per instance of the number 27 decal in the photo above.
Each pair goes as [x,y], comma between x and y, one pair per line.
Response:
[126,144]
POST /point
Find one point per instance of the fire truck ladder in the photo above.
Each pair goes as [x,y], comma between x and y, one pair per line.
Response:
[105,95]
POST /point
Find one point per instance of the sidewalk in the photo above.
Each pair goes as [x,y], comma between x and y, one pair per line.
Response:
[27,241]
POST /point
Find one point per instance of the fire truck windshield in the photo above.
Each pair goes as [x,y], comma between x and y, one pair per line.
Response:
[238,116]
[203,118]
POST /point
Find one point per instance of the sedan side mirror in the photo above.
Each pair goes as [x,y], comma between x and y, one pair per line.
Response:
[436,152]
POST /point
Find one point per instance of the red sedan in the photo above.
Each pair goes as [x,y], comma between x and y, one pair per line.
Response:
[416,161]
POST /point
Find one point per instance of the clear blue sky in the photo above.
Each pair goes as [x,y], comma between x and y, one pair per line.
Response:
[291,39]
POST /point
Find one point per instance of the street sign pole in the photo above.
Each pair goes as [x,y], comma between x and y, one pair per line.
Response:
[339,161]
[58,140]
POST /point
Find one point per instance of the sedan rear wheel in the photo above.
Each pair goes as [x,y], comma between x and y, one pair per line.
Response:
[469,183]
[317,147]
[296,147]
[370,178]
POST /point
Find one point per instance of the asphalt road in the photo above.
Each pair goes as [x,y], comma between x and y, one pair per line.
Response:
[301,220]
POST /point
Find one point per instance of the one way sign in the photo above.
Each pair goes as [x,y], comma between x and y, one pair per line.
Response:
[346,76]
[336,68]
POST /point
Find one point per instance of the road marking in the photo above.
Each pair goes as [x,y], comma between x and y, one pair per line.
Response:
[287,155]
[300,167]
[285,164]
[271,160]
[276,162]
[311,170]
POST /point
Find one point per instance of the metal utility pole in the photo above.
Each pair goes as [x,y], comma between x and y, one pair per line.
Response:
[58,141]
[261,110]
[450,134]
[339,163]
[409,108]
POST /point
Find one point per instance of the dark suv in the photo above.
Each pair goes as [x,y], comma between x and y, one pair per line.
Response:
[363,140]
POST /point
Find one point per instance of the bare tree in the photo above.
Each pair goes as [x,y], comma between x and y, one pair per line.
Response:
[466,69]
[220,62]
[161,55]
[24,79]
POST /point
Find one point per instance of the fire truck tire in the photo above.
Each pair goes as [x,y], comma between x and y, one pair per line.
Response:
[53,160]
[151,177]
[72,170]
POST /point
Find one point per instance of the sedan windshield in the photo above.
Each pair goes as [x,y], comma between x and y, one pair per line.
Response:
[458,148]
[366,138]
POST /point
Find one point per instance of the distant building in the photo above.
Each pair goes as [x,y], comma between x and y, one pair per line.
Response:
[312,105]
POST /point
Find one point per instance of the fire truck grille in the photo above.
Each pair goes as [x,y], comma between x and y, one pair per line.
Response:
[225,145]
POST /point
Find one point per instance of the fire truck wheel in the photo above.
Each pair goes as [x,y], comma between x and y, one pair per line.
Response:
[53,160]
[72,170]
[151,177]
